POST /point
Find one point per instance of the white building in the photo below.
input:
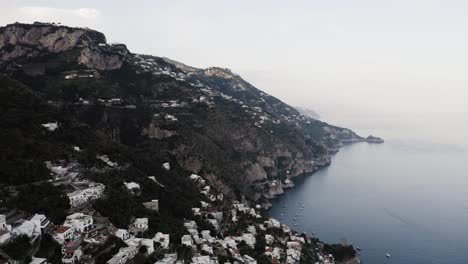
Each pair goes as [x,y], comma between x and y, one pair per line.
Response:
[251,229]
[132,185]
[269,239]
[149,244]
[63,233]
[40,220]
[93,192]
[187,240]
[28,228]
[190,225]
[79,222]
[124,255]
[214,223]
[203,260]
[107,161]
[197,239]
[4,236]
[230,242]
[275,253]
[71,256]
[207,236]
[293,256]
[122,234]
[197,179]
[273,223]
[196,211]
[217,215]
[141,224]
[297,239]
[168,259]
[206,248]
[294,244]
[35,260]
[51,126]
[286,229]
[152,205]
[3,225]
[249,239]
[162,239]
[249,260]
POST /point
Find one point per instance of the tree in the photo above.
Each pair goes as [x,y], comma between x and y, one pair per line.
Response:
[184,252]
[18,248]
[44,198]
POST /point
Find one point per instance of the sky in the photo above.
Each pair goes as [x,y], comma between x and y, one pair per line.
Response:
[365,64]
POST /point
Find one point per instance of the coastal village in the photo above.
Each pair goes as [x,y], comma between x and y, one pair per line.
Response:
[220,231]
[134,161]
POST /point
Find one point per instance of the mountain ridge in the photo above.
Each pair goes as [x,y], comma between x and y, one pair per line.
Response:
[98,113]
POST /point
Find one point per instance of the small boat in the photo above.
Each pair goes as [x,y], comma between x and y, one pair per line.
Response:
[358,248]
[296,224]
[295,218]
[388,255]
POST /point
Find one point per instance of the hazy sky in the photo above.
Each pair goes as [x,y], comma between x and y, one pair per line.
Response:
[347,59]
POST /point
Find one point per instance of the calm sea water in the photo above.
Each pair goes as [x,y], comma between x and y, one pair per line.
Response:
[406,199]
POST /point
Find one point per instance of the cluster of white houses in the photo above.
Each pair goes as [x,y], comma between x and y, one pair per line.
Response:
[148,64]
[76,229]
[87,227]
[80,196]
[32,227]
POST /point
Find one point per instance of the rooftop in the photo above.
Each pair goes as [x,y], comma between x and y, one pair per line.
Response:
[61,229]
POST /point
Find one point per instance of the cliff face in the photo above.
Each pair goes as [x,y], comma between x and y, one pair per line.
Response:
[23,41]
[210,121]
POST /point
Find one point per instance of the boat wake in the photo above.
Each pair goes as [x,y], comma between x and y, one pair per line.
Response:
[399,218]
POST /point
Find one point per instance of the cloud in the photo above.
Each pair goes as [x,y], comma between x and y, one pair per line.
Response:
[87,12]
[52,14]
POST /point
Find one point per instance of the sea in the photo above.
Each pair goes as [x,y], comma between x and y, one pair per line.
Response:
[407,197]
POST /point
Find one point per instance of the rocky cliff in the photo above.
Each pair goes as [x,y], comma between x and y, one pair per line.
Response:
[210,121]
[24,41]
[78,111]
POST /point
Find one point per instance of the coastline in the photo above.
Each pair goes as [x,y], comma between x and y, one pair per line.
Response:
[289,183]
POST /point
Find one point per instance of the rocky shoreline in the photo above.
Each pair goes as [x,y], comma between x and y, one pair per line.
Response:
[277,188]
[270,189]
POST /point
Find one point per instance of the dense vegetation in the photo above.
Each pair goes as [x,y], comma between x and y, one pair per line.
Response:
[49,249]
[18,248]
[45,199]
[340,252]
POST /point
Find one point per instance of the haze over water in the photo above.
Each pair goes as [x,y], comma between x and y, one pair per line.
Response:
[407,197]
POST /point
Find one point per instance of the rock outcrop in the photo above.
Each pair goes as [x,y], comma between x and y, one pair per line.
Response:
[372,139]
[24,41]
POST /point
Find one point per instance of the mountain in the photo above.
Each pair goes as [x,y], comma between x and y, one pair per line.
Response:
[81,116]
[308,112]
